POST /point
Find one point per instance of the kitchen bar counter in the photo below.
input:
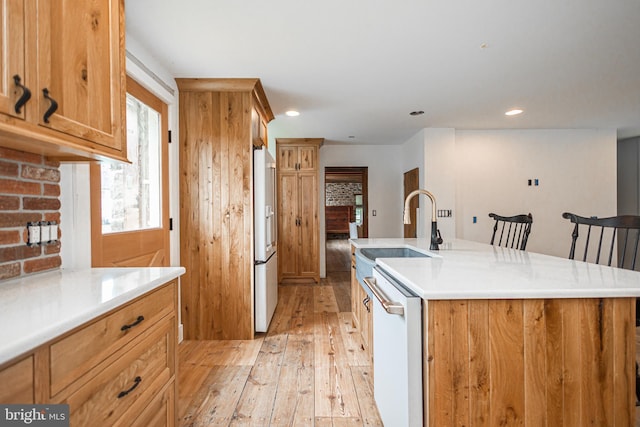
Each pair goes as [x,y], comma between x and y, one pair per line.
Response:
[470,270]
[514,338]
[38,308]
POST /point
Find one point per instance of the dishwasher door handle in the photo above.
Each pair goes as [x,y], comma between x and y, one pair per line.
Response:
[389,306]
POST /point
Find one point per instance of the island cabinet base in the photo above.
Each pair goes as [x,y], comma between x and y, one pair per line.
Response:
[529,362]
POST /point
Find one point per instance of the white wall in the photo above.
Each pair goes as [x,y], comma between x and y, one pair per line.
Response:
[385,186]
[432,151]
[75,220]
[576,171]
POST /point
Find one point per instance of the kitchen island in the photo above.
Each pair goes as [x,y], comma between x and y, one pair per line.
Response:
[518,338]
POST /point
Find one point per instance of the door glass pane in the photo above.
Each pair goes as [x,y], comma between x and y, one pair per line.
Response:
[131,192]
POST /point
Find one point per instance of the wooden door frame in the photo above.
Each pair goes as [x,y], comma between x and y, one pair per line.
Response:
[136,237]
[411,182]
[363,171]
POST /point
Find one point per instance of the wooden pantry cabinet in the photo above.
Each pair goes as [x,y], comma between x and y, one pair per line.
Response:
[62,86]
[221,120]
[118,369]
[298,224]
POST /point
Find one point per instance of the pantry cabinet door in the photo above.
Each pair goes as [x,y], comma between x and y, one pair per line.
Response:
[288,226]
[308,255]
[12,39]
[80,47]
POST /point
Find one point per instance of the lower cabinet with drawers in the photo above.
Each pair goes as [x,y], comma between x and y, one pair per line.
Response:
[118,369]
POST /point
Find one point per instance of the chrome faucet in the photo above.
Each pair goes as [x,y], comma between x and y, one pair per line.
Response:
[436,239]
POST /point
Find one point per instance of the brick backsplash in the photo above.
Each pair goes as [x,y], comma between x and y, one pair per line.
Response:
[29,192]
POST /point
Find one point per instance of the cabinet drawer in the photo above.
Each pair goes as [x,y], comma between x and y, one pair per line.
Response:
[74,355]
[161,412]
[129,383]
[17,382]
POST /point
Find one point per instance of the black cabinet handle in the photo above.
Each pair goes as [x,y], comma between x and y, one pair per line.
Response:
[136,382]
[26,94]
[366,301]
[52,109]
[131,325]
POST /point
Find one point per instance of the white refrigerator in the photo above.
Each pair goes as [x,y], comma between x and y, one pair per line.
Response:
[264,220]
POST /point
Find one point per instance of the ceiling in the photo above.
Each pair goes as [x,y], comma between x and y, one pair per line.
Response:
[355,69]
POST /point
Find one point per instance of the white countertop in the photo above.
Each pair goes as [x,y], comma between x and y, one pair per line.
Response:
[469,270]
[35,309]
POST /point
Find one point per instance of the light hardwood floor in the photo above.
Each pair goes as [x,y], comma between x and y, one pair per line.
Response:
[308,369]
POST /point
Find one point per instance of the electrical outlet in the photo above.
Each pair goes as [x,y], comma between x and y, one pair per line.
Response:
[374,212]
[33,233]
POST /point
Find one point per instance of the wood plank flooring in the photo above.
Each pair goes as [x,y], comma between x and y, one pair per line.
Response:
[308,369]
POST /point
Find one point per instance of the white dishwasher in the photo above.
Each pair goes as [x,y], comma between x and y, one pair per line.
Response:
[397,351]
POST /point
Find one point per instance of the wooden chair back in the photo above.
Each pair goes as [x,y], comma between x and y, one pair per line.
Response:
[517,229]
[604,237]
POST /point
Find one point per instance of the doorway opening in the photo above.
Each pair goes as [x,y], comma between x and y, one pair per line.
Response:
[346,195]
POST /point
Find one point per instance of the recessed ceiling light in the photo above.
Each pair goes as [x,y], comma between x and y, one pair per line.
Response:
[292,113]
[513,112]
[416,113]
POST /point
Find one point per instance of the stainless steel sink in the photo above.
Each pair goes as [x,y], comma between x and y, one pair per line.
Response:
[366,259]
[373,253]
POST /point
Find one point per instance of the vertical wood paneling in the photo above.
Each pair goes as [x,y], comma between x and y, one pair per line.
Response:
[562,362]
[460,362]
[571,392]
[554,360]
[216,167]
[507,362]
[596,347]
[535,369]
[479,363]
[624,361]
[442,386]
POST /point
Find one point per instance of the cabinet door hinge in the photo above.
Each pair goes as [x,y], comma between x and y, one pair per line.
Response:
[170,224]
[169,137]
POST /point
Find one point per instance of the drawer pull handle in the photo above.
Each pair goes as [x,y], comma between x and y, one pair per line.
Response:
[389,306]
[52,109]
[26,94]
[136,381]
[366,302]
[137,322]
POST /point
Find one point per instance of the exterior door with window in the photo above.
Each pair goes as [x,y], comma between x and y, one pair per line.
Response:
[130,202]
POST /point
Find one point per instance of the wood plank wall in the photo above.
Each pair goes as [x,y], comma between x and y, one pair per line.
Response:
[562,362]
[216,214]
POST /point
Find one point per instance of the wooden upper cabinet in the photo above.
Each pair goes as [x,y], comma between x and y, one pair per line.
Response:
[298,157]
[83,73]
[258,129]
[70,56]
[12,52]
[287,158]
